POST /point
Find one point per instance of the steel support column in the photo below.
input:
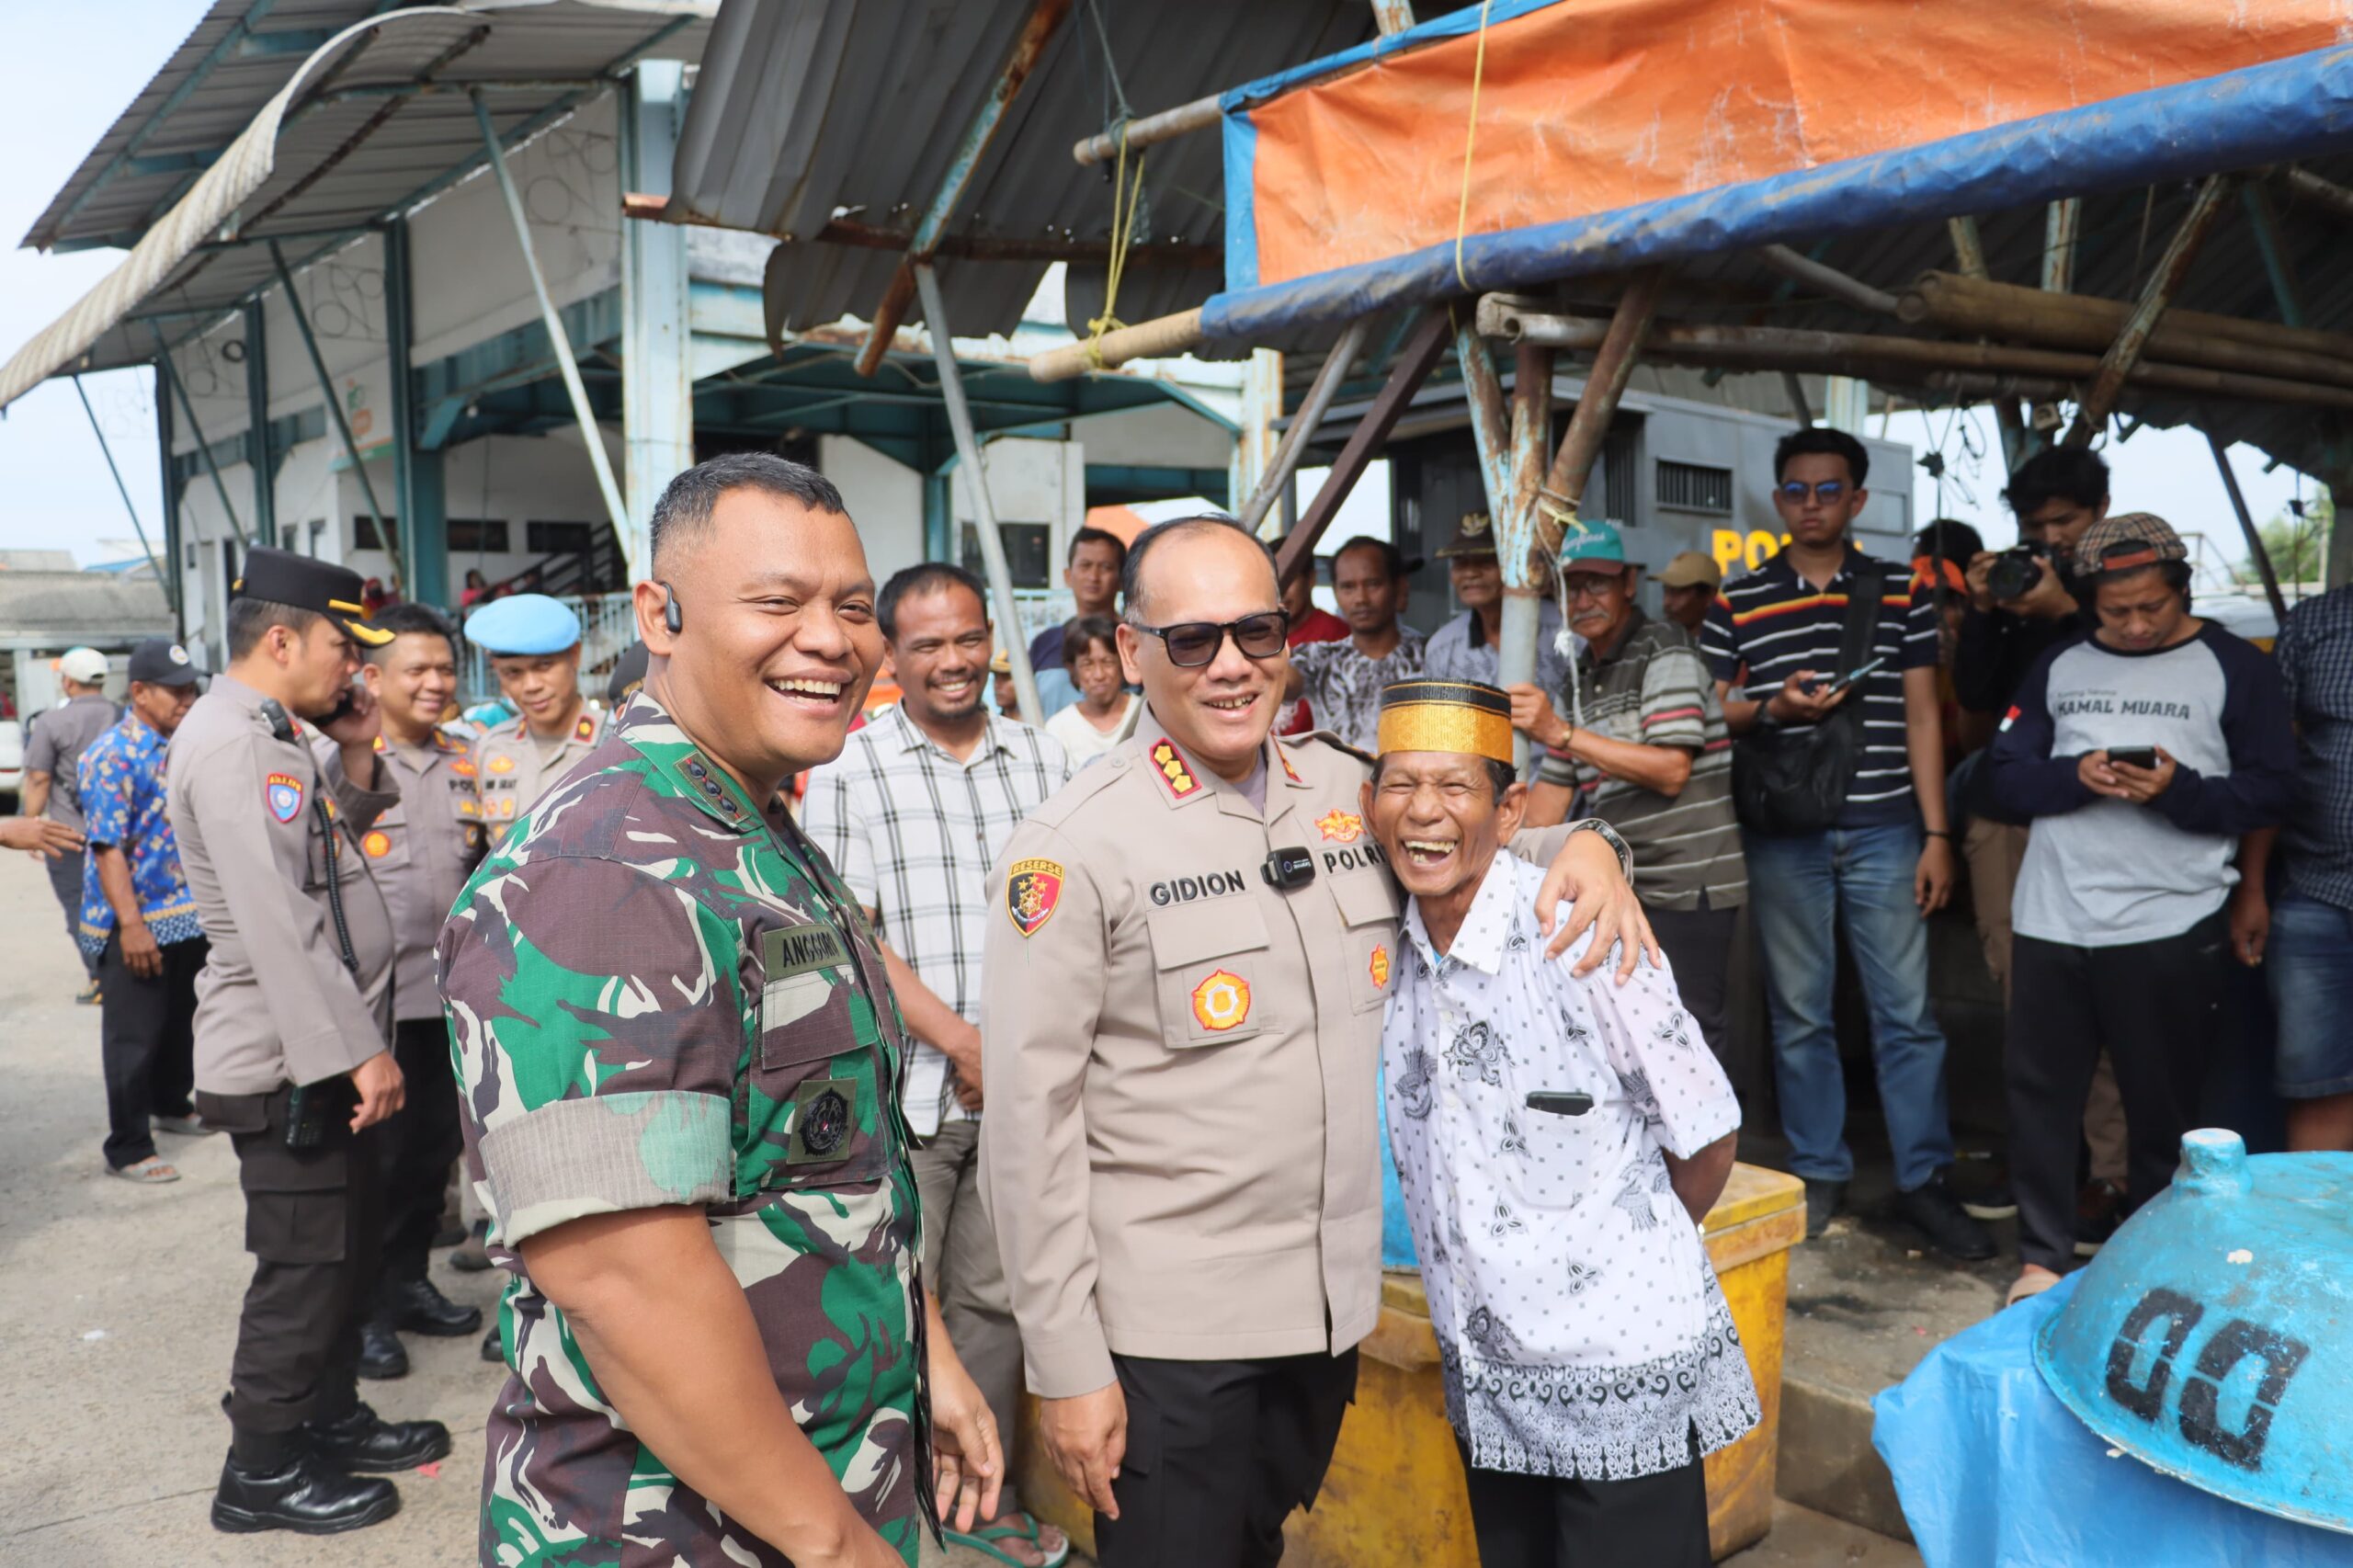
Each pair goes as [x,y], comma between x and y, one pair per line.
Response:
[204,448]
[1413,368]
[2173,271]
[1276,478]
[258,457]
[976,482]
[614,511]
[171,489]
[657,376]
[1968,257]
[171,591]
[385,530]
[416,469]
[2261,556]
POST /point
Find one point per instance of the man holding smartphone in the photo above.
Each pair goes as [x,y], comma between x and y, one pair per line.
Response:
[292,1015]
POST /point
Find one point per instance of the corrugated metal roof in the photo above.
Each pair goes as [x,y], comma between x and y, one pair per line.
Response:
[818,107]
[379,123]
[66,607]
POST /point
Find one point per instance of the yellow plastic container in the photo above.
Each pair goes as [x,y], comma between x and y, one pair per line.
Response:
[1395,1491]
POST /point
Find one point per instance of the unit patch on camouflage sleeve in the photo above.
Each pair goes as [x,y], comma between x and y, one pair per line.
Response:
[1031,890]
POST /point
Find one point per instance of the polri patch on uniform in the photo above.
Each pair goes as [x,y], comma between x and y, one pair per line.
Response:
[1222,1001]
[1379,967]
[823,1113]
[377,844]
[788,950]
[1032,887]
[1343,827]
[502,762]
[462,769]
[283,795]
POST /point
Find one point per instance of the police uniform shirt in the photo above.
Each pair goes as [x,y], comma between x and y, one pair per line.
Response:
[275,1003]
[421,851]
[515,767]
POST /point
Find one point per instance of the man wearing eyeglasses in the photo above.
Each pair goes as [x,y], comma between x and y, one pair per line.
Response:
[1844,840]
[1188,958]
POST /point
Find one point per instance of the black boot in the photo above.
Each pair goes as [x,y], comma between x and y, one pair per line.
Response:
[415,1306]
[305,1495]
[492,1350]
[365,1441]
[382,1357]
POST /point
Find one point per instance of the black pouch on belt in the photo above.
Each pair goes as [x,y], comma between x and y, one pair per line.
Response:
[314,1109]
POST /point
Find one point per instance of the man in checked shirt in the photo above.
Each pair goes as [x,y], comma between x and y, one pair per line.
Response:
[913,813]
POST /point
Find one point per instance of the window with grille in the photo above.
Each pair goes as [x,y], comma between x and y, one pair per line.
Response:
[554,539]
[1694,487]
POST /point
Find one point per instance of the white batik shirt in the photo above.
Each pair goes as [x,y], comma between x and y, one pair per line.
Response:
[1579,1321]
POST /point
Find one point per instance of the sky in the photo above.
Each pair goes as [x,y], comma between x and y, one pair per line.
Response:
[55,491]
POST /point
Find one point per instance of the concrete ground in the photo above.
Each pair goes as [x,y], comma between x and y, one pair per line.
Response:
[118,1312]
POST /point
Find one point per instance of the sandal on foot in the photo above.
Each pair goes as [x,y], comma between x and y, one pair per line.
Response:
[149,1172]
[1018,1525]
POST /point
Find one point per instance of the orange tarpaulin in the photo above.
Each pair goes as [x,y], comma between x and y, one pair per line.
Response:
[1592,105]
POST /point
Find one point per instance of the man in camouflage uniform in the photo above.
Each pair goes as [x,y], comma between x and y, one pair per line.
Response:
[679,1065]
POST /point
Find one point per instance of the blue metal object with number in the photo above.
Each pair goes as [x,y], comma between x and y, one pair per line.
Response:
[2212,1337]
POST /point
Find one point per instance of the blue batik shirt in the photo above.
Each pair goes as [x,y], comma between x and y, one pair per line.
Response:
[122,802]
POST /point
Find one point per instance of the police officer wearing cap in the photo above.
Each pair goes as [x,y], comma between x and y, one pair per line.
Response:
[293,1014]
[534,647]
[420,851]
[1187,963]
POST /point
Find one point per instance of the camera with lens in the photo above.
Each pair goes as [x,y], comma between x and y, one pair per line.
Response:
[2015,571]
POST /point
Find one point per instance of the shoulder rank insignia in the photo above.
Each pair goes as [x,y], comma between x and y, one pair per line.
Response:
[1288,771]
[283,794]
[1222,1001]
[1341,827]
[1031,890]
[377,744]
[586,730]
[1173,771]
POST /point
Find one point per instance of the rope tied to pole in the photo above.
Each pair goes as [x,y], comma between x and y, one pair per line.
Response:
[1470,138]
[1127,196]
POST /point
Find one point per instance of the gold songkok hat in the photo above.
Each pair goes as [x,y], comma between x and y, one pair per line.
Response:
[1447,715]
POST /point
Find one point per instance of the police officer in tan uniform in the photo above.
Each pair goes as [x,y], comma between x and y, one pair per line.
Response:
[1181,1024]
[293,1012]
[534,647]
[421,851]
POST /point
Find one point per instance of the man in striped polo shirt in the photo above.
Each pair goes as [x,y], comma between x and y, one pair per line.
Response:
[1647,739]
[1778,630]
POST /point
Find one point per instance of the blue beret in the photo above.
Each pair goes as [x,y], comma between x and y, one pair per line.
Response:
[524,624]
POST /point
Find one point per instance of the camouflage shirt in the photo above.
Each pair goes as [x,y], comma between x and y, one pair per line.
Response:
[657,996]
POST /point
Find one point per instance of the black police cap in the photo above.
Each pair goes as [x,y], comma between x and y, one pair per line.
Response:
[336,592]
[159,661]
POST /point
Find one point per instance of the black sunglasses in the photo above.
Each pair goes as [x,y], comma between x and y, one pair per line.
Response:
[1192,643]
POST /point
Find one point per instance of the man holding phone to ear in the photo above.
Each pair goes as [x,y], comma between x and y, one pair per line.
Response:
[293,1014]
[2141,755]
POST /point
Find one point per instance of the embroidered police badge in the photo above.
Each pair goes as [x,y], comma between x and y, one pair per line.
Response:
[1031,890]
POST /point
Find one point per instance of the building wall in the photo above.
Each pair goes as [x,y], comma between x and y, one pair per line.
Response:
[885,499]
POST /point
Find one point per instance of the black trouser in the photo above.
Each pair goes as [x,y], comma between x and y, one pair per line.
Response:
[1538,1521]
[1218,1454]
[65,881]
[417,1142]
[1698,943]
[2154,1007]
[312,1224]
[147,1043]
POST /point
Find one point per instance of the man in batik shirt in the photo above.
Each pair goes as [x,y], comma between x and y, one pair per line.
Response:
[679,1062]
[1558,1140]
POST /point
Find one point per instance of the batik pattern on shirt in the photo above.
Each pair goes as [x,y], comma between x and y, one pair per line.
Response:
[1343,687]
[123,803]
[1581,1329]
[658,997]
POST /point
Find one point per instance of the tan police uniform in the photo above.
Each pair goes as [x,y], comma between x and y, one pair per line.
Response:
[516,768]
[1181,1149]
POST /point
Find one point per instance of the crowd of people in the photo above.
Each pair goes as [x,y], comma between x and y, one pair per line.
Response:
[938,1058]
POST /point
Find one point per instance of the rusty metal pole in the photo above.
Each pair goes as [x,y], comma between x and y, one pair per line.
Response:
[1969,257]
[1603,387]
[1276,479]
[1036,33]
[1419,356]
[1528,576]
[2255,551]
[2173,271]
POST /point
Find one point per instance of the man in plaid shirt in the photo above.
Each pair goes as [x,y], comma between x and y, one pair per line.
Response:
[913,813]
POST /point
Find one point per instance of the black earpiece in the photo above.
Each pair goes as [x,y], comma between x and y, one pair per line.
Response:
[672,618]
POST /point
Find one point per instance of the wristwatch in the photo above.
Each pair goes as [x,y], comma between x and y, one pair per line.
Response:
[1609,835]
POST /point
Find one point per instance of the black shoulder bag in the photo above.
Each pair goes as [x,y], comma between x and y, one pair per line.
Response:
[1793,779]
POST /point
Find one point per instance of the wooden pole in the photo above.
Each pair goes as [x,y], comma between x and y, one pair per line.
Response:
[2255,551]
[2173,271]
[1156,339]
[1603,384]
[1413,368]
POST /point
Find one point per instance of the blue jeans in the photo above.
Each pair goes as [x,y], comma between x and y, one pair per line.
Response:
[1862,878]
[2309,962]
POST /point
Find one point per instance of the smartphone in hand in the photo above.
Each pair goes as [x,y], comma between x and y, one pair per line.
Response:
[1843,682]
[2134,756]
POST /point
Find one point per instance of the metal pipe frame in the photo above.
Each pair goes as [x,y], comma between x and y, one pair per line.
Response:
[171,589]
[641,207]
[177,590]
[1148,132]
[1045,17]
[968,460]
[1413,368]
[2173,269]
[384,520]
[258,457]
[1604,385]
[1969,258]
[203,446]
[2246,526]
[1302,429]
[416,488]
[1827,280]
[566,365]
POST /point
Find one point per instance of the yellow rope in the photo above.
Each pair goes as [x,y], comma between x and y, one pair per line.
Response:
[1125,200]
[1470,136]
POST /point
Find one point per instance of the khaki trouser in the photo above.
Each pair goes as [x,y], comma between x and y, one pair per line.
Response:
[961,1267]
[1995,851]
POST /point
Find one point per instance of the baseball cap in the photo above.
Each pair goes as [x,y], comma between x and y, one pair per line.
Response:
[1595,544]
[524,624]
[321,586]
[2127,544]
[1692,569]
[159,661]
[1474,536]
[83,666]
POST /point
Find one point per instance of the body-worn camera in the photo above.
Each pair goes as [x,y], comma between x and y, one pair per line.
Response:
[2015,571]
